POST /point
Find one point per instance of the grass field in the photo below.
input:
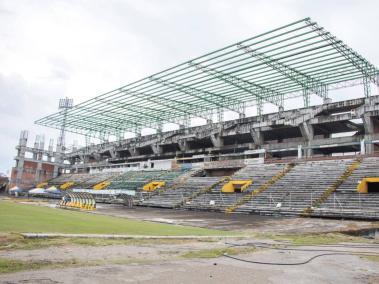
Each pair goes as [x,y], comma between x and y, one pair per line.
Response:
[22,218]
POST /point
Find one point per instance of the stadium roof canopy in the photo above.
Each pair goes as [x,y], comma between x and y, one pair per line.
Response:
[295,60]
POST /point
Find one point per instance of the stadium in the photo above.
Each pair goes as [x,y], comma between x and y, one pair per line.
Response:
[315,161]
[241,164]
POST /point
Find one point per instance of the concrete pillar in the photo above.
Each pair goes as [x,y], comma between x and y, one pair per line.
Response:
[23,141]
[183,145]
[327,100]
[363,148]
[307,132]
[37,178]
[159,131]
[55,171]
[133,151]
[113,153]
[299,152]
[84,158]
[138,135]
[50,154]
[368,123]
[257,136]
[217,140]
[20,169]
[97,157]
[156,149]
[241,115]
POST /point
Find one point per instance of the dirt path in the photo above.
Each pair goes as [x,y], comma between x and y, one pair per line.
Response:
[148,252]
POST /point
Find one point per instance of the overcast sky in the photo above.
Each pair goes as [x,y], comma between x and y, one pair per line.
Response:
[79,49]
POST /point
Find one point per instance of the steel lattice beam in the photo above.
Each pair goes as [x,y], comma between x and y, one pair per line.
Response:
[217,100]
[260,93]
[306,81]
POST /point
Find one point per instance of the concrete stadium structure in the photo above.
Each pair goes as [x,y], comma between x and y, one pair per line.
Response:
[305,161]
[296,133]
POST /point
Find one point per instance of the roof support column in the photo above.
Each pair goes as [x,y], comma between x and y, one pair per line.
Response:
[369,126]
[120,136]
[183,145]
[185,123]
[113,154]
[133,151]
[257,136]
[156,149]
[307,132]
[104,137]
[217,140]
[88,140]
[220,115]
[159,129]
[242,111]
[306,97]
[137,131]
[259,107]
[366,87]
[209,117]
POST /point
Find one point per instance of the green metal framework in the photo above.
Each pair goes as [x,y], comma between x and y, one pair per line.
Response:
[298,59]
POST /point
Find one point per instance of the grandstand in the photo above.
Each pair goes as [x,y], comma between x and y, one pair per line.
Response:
[292,162]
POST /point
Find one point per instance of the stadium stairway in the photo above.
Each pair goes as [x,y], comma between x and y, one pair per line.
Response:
[297,189]
[60,180]
[172,198]
[331,189]
[67,181]
[346,202]
[262,188]
[135,180]
[203,191]
[97,178]
[174,182]
[216,200]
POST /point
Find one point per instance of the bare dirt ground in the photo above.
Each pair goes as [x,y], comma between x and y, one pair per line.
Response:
[162,265]
[233,222]
[169,262]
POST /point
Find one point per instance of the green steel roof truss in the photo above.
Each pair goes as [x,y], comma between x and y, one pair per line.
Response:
[297,59]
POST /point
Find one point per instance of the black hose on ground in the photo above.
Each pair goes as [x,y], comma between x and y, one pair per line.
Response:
[295,263]
[270,246]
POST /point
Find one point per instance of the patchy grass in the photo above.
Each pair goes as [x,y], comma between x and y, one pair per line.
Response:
[374,258]
[217,252]
[11,265]
[316,239]
[136,242]
[16,241]
[18,218]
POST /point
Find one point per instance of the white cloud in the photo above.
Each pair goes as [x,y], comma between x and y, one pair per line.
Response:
[79,49]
